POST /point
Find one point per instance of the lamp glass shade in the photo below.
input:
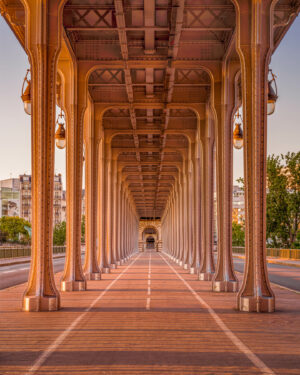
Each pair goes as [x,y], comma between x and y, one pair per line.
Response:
[60,143]
[26,97]
[27,107]
[60,136]
[271,107]
[238,143]
[272,98]
[238,140]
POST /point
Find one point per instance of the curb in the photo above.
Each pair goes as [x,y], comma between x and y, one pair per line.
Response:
[24,261]
[272,261]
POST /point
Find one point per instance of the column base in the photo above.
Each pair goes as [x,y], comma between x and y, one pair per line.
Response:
[177,261]
[122,262]
[118,262]
[105,270]
[225,286]
[93,276]
[38,303]
[113,266]
[205,276]
[193,270]
[186,266]
[73,286]
[180,263]
[256,304]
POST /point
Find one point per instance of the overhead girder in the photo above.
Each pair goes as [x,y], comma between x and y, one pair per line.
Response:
[141,56]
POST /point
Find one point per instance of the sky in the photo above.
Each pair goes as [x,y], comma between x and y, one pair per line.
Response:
[15,143]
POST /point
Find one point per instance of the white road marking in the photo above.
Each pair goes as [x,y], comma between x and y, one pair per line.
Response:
[235,340]
[279,285]
[45,355]
[15,270]
[285,287]
[148,301]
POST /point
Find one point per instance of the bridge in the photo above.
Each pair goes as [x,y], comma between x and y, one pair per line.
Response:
[147,94]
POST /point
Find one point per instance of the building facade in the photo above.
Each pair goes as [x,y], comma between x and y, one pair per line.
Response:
[15,198]
[25,197]
[238,205]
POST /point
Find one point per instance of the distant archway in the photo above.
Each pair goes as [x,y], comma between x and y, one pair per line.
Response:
[150,242]
[149,235]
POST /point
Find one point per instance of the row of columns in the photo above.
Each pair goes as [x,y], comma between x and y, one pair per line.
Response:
[111,220]
[187,222]
[254,45]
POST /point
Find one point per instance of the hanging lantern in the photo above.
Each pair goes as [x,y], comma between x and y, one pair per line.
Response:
[60,135]
[272,94]
[238,140]
[26,94]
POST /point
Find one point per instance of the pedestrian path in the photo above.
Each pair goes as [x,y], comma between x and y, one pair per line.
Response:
[149,316]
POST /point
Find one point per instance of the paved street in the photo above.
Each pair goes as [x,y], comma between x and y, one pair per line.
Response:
[288,277]
[18,273]
[149,317]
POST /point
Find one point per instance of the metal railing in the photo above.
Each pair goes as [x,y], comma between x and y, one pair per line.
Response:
[15,252]
[280,253]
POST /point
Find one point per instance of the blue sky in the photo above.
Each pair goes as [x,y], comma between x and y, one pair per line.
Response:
[15,143]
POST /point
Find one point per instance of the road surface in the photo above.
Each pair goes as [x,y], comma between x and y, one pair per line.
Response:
[286,276]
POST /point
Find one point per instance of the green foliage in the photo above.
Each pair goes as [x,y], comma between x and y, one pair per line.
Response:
[83,229]
[296,244]
[59,234]
[241,181]
[12,226]
[238,235]
[283,199]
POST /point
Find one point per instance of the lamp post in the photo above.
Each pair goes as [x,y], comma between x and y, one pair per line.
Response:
[238,140]
[60,134]
[26,94]
[272,93]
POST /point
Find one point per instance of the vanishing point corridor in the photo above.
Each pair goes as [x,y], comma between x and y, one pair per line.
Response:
[149,316]
[147,99]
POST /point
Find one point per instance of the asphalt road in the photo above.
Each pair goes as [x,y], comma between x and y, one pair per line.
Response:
[18,273]
[286,276]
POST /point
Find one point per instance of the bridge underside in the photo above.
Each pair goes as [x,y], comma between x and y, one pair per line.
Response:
[149,90]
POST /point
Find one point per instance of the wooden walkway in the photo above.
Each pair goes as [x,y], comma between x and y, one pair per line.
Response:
[149,317]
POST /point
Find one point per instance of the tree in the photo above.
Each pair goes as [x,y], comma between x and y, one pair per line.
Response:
[83,229]
[277,206]
[283,199]
[12,226]
[59,234]
[293,179]
[296,244]
[238,235]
